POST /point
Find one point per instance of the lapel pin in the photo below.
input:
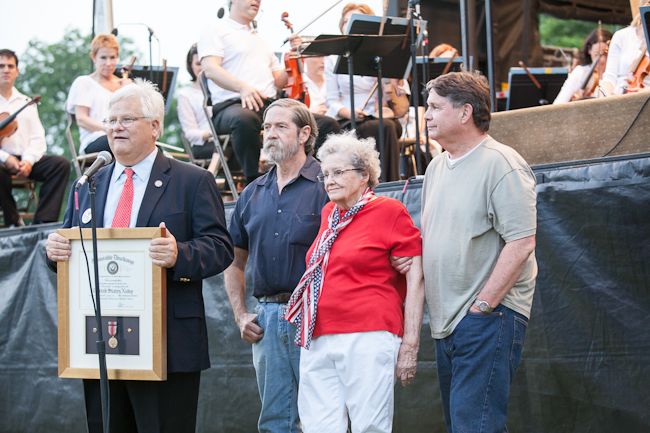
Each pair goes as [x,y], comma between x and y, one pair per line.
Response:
[85,218]
[158,183]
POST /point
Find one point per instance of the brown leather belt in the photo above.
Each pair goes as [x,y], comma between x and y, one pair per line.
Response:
[278,298]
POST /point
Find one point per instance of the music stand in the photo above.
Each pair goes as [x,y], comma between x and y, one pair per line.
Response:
[435,67]
[645,17]
[523,93]
[365,54]
[158,78]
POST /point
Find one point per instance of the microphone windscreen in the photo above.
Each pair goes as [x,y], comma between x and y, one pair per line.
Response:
[106,156]
[220,12]
[114,31]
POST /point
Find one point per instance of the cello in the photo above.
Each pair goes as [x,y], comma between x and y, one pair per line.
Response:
[295,88]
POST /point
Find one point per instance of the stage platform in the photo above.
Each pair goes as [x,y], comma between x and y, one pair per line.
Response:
[586,356]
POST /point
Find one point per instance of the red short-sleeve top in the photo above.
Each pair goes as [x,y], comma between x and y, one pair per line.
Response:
[361,291]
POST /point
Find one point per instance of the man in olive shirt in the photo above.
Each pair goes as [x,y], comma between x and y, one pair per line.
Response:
[478,231]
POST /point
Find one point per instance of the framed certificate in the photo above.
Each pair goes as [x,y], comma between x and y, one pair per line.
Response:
[133,301]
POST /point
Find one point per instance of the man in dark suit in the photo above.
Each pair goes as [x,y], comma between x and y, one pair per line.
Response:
[145,189]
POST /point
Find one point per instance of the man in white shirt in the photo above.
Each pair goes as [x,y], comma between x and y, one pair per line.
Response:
[22,153]
[245,75]
[143,188]
[315,81]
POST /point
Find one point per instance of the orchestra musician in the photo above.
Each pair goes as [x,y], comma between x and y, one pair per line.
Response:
[627,47]
[367,124]
[190,110]
[315,81]
[595,44]
[89,94]
[443,50]
[22,153]
[244,76]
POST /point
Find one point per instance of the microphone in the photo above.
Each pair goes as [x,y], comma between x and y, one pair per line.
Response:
[221,12]
[114,31]
[103,159]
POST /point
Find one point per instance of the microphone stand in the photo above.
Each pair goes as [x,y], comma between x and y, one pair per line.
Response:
[416,101]
[150,56]
[101,344]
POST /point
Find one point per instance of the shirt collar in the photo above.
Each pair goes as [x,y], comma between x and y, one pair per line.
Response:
[238,25]
[142,169]
[309,171]
[15,94]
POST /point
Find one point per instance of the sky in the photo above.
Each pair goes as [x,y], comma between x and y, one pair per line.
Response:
[176,27]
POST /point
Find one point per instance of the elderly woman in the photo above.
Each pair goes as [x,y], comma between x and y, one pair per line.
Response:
[338,100]
[89,94]
[367,330]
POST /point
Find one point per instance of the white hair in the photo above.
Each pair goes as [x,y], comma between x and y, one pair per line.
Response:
[152,101]
[360,152]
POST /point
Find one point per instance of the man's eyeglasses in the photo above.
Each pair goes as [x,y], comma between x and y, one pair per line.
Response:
[126,122]
[336,174]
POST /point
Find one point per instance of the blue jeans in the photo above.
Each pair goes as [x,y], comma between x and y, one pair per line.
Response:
[277,361]
[476,364]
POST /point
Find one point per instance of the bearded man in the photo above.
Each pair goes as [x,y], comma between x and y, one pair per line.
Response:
[276,219]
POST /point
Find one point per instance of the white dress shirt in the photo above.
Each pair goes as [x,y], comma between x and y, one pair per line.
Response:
[86,92]
[142,171]
[191,114]
[245,55]
[316,94]
[28,141]
[338,91]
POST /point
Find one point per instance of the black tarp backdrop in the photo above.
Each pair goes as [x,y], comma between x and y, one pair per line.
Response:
[586,365]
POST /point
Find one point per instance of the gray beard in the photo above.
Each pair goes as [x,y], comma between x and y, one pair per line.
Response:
[280,152]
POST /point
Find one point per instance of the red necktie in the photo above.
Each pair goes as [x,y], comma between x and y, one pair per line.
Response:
[122,216]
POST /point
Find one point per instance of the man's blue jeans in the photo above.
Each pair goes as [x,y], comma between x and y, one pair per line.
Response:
[476,364]
[277,361]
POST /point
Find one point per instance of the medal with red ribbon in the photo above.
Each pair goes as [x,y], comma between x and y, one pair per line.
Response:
[112,330]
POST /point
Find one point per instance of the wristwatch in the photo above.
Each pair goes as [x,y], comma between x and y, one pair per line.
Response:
[483,306]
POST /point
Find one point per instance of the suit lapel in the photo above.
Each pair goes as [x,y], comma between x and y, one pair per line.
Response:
[153,192]
[102,180]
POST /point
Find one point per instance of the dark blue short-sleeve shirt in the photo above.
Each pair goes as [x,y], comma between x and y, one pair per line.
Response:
[278,229]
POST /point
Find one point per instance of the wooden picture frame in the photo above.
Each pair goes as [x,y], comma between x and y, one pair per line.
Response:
[135,291]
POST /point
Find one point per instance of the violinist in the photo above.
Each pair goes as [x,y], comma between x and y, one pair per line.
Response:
[595,45]
[89,94]
[23,153]
[367,124]
[244,76]
[627,49]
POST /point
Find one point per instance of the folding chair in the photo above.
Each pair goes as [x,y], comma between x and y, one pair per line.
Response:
[219,147]
[78,161]
[30,185]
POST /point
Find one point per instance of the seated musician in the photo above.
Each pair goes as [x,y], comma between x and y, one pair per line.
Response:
[626,50]
[443,50]
[89,94]
[595,44]
[23,153]
[367,124]
[244,76]
[314,78]
[190,111]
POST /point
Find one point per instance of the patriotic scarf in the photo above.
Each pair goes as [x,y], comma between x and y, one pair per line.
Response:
[301,310]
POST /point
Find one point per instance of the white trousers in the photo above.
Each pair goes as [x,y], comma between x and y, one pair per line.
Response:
[348,371]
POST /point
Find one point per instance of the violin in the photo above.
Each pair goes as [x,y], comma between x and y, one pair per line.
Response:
[641,68]
[592,79]
[295,88]
[126,71]
[8,124]
[395,98]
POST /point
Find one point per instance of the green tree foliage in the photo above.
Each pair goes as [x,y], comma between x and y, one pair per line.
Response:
[567,33]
